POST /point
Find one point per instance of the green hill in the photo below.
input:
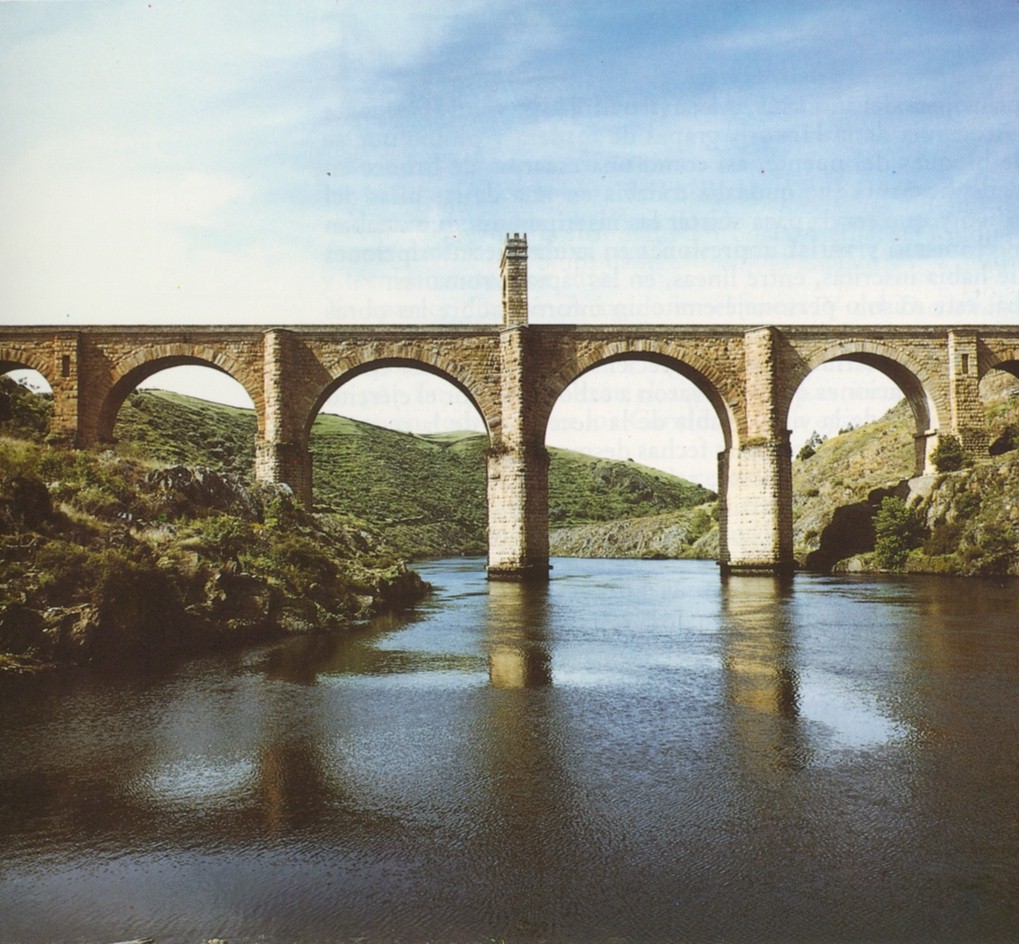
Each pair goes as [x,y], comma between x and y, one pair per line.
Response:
[179,430]
[426,493]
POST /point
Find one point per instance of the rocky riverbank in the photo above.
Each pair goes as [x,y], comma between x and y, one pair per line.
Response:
[106,558]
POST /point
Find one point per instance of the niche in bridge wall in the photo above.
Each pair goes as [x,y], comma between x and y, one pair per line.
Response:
[26,403]
[190,415]
[404,451]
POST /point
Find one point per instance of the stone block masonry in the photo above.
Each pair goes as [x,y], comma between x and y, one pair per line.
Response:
[513,373]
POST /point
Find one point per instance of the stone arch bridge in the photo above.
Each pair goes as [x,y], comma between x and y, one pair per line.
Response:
[513,374]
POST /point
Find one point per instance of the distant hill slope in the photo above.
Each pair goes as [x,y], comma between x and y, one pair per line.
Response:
[427,493]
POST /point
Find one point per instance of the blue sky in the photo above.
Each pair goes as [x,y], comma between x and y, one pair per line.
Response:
[335,162]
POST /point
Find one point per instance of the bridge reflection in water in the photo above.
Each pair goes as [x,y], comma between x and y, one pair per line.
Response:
[632,749]
[761,679]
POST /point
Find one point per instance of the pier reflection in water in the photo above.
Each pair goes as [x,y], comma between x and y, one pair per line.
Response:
[639,751]
[761,678]
[518,653]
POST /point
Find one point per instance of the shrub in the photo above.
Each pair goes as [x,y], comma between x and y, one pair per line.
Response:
[944,539]
[220,536]
[294,562]
[967,504]
[700,524]
[948,454]
[998,550]
[64,571]
[137,604]
[897,530]
[24,503]
[810,446]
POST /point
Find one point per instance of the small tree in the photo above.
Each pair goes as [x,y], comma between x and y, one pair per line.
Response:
[810,446]
[897,530]
[948,454]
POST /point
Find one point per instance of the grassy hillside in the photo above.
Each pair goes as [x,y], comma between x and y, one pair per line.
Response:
[176,430]
[427,493]
[585,489]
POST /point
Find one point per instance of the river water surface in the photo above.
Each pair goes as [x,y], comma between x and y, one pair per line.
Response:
[641,751]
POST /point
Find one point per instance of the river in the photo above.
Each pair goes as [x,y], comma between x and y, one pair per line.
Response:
[641,751]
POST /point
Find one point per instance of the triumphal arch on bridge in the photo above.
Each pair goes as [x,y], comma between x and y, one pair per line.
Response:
[513,373]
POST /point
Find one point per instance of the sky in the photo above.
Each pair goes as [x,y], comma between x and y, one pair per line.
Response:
[332,162]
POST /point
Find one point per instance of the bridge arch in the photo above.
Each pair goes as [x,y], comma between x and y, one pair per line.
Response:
[39,418]
[704,376]
[17,359]
[128,372]
[921,392]
[483,402]
[998,357]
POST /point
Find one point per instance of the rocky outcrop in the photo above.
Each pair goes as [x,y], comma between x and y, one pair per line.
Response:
[850,532]
[129,563]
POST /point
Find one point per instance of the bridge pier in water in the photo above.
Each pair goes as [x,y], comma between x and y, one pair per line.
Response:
[755,508]
[755,486]
[518,514]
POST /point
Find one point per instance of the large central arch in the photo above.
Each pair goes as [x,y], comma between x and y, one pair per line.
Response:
[687,365]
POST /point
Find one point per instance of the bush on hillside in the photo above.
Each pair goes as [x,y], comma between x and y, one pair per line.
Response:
[948,454]
[809,448]
[897,530]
